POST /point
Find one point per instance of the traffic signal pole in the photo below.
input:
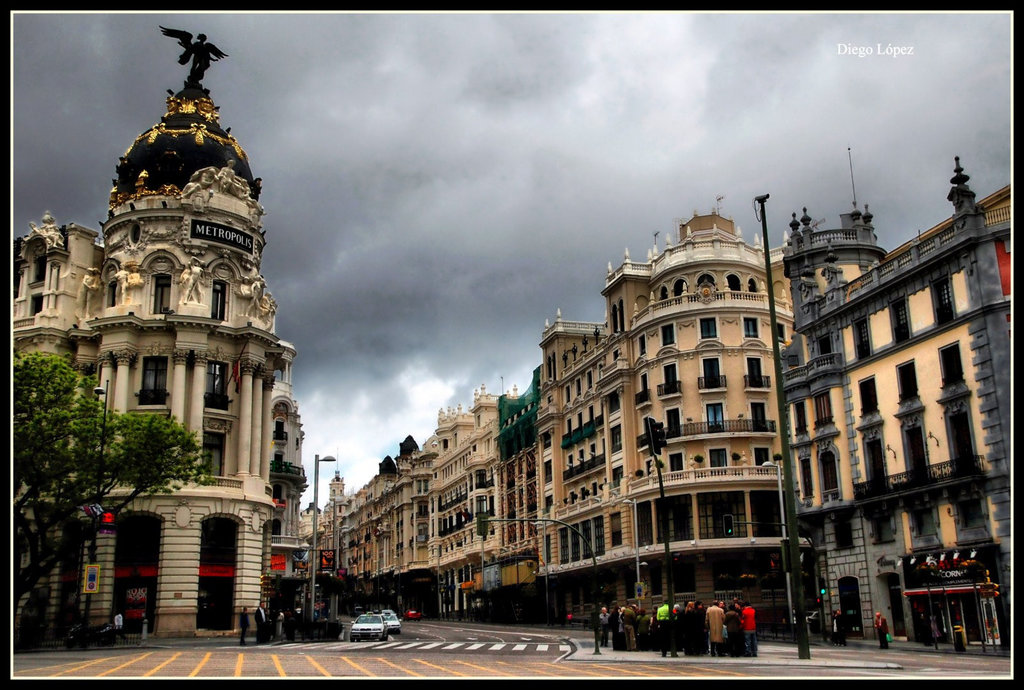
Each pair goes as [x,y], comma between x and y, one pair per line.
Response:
[656,441]
[795,573]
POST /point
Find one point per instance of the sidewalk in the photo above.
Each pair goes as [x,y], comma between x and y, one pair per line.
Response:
[775,652]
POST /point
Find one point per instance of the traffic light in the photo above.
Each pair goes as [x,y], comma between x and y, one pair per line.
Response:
[656,439]
[483,525]
[727,524]
[108,523]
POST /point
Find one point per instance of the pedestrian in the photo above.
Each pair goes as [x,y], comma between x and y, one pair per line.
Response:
[882,628]
[701,630]
[643,630]
[748,618]
[714,623]
[628,618]
[119,625]
[838,633]
[664,626]
[604,626]
[734,631]
[261,624]
[290,624]
[243,624]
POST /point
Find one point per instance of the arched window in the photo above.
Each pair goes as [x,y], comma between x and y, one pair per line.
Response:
[706,278]
[664,292]
[751,285]
[733,281]
[679,287]
[829,472]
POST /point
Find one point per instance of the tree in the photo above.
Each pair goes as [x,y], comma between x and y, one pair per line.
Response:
[67,455]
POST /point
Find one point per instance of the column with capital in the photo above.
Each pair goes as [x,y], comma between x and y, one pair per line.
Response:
[267,422]
[246,366]
[197,401]
[180,359]
[257,451]
[122,381]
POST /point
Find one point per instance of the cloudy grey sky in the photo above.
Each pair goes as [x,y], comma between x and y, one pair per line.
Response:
[439,185]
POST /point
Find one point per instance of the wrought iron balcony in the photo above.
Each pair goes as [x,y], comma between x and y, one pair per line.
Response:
[670,388]
[217,401]
[152,396]
[727,426]
[957,468]
[710,382]
[757,381]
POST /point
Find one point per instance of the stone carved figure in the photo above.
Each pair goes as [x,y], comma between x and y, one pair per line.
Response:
[200,187]
[189,281]
[128,279]
[201,53]
[254,289]
[48,231]
[90,287]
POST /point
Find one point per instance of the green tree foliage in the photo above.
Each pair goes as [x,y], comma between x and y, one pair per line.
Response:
[69,453]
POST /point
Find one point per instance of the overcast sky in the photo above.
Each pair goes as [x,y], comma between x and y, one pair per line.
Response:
[439,185]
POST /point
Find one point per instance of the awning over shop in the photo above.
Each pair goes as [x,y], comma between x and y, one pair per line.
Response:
[955,589]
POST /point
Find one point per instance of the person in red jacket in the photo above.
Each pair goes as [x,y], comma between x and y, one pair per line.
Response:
[882,627]
[748,622]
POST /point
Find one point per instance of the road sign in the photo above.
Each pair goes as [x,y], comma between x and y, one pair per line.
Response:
[91,581]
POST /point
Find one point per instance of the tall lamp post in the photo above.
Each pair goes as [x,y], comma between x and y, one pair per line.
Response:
[793,545]
[314,559]
[99,486]
[594,616]
[636,545]
[785,539]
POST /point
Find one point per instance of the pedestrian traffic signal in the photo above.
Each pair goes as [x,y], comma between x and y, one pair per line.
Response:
[727,524]
[656,438]
[821,587]
[483,525]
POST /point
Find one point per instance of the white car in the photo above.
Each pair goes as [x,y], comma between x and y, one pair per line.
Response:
[369,626]
[392,621]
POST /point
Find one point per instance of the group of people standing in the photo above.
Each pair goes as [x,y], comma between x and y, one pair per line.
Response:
[262,621]
[716,630]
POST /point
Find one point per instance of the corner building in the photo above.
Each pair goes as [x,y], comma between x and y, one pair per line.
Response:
[687,342]
[901,414]
[166,305]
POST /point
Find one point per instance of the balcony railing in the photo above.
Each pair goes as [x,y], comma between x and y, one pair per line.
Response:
[583,467]
[757,381]
[280,435]
[957,468]
[643,396]
[710,382]
[670,388]
[742,473]
[152,396]
[281,467]
[216,401]
[727,426]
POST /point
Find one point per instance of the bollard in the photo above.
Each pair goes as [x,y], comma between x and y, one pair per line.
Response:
[145,631]
[959,638]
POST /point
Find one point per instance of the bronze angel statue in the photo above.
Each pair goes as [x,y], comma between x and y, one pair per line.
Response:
[201,53]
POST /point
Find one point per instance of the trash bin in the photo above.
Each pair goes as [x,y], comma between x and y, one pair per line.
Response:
[959,638]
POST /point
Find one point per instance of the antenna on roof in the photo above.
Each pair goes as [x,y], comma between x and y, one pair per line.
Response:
[852,184]
[718,204]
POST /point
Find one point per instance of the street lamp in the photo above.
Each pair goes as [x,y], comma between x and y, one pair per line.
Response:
[594,617]
[785,537]
[314,559]
[99,485]
[803,644]
[636,544]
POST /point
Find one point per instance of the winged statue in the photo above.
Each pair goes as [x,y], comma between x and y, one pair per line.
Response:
[201,53]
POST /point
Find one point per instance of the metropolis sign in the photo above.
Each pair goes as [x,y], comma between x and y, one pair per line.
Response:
[215,232]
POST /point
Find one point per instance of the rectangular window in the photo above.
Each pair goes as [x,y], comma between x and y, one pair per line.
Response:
[675,462]
[217,385]
[37,304]
[712,374]
[862,339]
[759,417]
[154,381]
[40,272]
[971,513]
[716,420]
[708,328]
[761,456]
[883,529]
[900,321]
[616,432]
[844,534]
[213,447]
[599,536]
[673,425]
[906,375]
[749,327]
[952,368]
[161,293]
[924,521]
[800,417]
[806,478]
[942,296]
[219,300]
[668,334]
[613,402]
[563,544]
[822,410]
[824,345]
[641,345]
[112,293]
[755,379]
[868,396]
[615,527]
[718,457]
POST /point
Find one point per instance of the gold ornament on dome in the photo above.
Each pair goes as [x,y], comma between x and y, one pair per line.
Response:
[198,131]
[203,107]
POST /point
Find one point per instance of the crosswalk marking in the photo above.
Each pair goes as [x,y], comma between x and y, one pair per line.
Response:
[542,648]
[431,645]
[426,645]
[453,645]
[496,647]
[478,645]
[519,648]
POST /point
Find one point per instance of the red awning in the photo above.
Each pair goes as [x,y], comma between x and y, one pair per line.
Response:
[955,589]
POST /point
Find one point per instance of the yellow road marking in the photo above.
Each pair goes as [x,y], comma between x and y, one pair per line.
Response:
[127,663]
[154,670]
[202,663]
[532,666]
[411,672]
[625,668]
[277,664]
[479,668]
[86,665]
[439,668]
[318,667]
[238,665]
[356,666]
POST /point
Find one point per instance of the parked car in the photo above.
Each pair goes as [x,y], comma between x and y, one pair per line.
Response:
[412,615]
[369,626]
[392,622]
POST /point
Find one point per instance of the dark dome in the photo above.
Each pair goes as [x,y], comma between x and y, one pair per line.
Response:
[188,138]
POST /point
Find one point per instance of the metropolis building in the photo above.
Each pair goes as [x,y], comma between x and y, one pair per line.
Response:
[166,305]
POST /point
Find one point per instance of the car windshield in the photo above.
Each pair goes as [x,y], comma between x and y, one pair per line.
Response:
[367,618]
[390,616]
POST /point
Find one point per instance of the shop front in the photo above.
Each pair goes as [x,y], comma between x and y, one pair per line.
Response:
[952,597]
